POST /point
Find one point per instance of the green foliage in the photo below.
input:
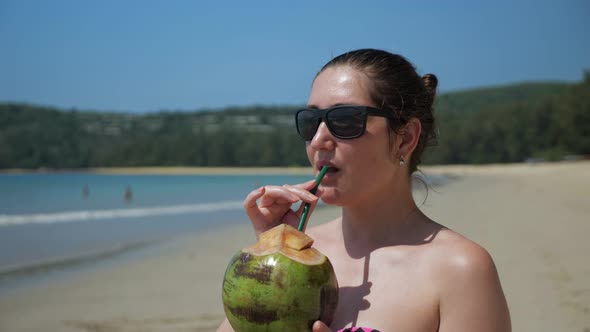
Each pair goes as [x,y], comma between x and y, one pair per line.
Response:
[546,121]
[503,124]
[35,136]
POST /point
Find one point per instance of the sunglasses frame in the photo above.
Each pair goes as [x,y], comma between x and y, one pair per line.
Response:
[322,115]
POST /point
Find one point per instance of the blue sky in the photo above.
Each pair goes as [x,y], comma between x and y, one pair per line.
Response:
[153,55]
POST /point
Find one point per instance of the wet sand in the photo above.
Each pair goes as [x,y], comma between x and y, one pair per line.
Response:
[534,220]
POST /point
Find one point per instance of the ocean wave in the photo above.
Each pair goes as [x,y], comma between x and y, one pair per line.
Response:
[77,216]
[17,271]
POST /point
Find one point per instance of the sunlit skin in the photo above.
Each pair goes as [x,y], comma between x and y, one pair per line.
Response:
[397,269]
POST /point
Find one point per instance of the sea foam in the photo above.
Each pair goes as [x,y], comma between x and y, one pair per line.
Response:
[78,216]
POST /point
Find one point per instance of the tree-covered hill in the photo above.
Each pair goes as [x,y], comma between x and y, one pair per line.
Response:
[493,97]
[499,124]
[542,121]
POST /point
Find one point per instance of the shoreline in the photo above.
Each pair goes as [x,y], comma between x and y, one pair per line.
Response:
[18,272]
[160,170]
[39,273]
[451,169]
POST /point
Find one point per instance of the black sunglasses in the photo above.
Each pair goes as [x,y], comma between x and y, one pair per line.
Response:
[345,122]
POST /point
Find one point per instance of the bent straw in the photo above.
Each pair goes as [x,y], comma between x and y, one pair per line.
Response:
[313,190]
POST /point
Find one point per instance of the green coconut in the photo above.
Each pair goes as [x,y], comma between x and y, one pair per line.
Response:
[279,284]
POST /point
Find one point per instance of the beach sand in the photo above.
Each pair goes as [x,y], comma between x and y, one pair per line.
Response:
[533,219]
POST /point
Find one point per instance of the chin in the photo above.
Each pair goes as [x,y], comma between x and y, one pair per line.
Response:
[332,198]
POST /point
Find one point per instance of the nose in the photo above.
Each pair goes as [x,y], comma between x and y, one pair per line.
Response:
[323,139]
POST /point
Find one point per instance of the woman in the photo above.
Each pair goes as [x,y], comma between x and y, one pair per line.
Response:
[369,117]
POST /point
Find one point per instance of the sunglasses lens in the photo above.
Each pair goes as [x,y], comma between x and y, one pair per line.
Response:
[346,122]
[307,124]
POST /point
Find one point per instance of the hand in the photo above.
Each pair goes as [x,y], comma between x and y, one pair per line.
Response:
[319,326]
[270,206]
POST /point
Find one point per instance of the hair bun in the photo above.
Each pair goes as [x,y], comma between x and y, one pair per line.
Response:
[430,82]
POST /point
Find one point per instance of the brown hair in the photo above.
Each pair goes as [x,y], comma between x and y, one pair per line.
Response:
[396,87]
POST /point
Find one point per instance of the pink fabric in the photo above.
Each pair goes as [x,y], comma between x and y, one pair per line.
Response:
[358,329]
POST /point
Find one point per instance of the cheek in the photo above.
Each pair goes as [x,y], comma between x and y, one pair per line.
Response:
[309,152]
[377,150]
[376,163]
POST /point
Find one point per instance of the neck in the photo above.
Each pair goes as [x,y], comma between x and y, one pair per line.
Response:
[381,219]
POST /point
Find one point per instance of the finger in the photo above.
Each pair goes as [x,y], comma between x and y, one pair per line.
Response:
[250,204]
[250,200]
[310,210]
[305,185]
[278,195]
[292,217]
[319,326]
[309,185]
[302,193]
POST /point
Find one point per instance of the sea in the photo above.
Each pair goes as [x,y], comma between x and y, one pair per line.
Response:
[56,224]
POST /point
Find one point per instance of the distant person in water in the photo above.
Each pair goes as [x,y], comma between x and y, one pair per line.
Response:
[369,117]
[128,194]
[85,191]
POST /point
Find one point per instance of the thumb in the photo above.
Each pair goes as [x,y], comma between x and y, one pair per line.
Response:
[319,326]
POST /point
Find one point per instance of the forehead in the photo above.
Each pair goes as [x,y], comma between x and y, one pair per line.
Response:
[340,85]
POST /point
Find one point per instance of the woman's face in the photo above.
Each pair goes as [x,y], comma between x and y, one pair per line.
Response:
[363,166]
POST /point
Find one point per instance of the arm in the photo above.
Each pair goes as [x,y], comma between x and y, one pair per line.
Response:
[472,298]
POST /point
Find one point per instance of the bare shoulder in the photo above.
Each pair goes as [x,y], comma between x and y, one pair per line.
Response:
[468,285]
[458,255]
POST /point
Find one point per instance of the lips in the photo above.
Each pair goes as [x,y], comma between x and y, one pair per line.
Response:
[333,169]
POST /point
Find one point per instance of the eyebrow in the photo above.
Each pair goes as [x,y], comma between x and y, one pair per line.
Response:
[334,105]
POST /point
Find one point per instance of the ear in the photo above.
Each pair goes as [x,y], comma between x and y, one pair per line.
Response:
[408,138]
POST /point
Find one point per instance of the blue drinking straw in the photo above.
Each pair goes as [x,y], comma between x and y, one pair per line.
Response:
[318,179]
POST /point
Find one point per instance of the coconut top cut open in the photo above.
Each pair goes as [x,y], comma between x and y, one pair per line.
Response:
[288,241]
